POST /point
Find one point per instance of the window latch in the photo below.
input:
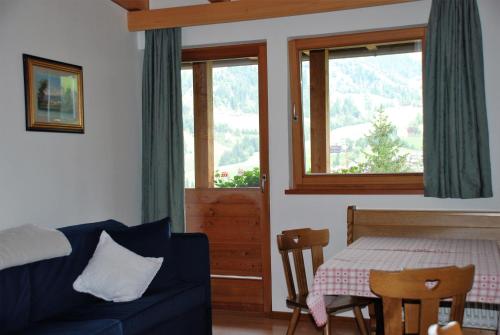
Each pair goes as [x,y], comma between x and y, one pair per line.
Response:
[263,183]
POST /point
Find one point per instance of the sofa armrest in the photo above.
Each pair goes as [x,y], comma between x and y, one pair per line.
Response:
[191,252]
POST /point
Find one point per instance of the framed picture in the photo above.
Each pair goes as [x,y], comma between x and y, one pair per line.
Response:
[54,95]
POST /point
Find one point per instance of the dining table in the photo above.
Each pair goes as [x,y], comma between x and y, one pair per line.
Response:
[348,272]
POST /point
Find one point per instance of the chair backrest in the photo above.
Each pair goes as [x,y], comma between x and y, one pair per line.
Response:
[295,242]
[452,328]
[420,291]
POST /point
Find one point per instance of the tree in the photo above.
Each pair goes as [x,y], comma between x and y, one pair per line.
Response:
[42,95]
[344,113]
[67,102]
[241,151]
[385,145]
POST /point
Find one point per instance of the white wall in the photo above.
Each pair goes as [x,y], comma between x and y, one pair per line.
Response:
[318,211]
[57,179]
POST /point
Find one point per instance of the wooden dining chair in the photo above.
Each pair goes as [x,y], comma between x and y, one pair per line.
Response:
[295,242]
[452,328]
[419,292]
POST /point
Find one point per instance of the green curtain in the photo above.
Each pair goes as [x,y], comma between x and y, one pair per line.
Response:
[456,148]
[162,131]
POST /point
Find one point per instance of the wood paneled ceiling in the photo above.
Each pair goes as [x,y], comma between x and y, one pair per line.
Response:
[140,17]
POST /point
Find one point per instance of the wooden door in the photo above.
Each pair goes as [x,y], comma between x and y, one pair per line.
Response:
[236,220]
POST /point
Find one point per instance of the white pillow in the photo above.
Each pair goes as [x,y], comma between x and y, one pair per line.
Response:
[115,273]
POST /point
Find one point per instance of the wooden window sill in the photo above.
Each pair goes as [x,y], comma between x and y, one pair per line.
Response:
[353,190]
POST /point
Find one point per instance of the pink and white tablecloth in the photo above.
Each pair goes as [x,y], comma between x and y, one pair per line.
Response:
[348,272]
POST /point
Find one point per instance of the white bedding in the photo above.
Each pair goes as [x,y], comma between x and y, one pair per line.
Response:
[30,243]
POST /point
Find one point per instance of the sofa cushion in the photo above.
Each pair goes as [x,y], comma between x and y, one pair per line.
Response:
[195,321]
[147,312]
[52,280]
[117,274]
[95,227]
[151,240]
[15,298]
[91,327]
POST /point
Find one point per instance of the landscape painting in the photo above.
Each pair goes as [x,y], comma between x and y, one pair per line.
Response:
[54,97]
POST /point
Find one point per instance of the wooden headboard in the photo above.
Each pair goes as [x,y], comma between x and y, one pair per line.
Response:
[422,223]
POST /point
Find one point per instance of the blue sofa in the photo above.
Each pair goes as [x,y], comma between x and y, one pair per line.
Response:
[38,298]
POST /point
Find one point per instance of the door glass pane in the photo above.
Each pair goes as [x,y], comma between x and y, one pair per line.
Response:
[236,124]
[188,122]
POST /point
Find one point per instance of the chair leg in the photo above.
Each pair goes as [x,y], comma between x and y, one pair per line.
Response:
[360,321]
[379,316]
[372,328]
[293,321]
[326,328]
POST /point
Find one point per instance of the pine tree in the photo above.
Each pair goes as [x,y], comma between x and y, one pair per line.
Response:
[385,145]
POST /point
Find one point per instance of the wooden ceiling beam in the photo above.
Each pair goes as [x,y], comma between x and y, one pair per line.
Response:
[242,10]
[133,5]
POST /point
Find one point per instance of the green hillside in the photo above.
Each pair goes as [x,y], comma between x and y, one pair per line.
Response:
[358,88]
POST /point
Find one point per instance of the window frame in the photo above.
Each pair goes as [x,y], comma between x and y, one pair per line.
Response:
[302,183]
[229,52]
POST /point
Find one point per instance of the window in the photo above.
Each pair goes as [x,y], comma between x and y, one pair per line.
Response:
[221,114]
[357,112]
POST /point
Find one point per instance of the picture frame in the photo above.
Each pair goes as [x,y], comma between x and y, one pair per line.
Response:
[53,95]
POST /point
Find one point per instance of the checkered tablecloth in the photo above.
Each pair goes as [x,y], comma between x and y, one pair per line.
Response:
[348,272]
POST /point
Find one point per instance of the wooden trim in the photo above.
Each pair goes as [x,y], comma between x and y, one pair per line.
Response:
[133,5]
[298,165]
[349,190]
[371,37]
[302,183]
[242,10]
[222,52]
[367,178]
[350,223]
[408,183]
[203,125]
[231,292]
[264,166]
[422,223]
[320,111]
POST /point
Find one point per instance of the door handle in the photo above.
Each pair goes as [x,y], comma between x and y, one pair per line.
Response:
[263,182]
